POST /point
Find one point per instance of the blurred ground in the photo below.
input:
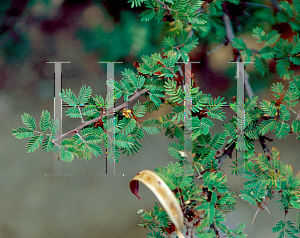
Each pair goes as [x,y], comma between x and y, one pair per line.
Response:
[85,204]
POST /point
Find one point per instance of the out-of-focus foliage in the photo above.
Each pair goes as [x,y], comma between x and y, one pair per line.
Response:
[160,77]
[130,37]
[125,40]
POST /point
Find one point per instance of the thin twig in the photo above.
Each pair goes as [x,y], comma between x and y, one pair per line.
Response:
[264,145]
[230,36]
[213,226]
[191,33]
[298,115]
[262,206]
[80,114]
[248,86]
[180,71]
[215,49]
[247,14]
[227,152]
[81,138]
[255,215]
[165,5]
[228,27]
[276,4]
[256,4]
[254,51]
[125,104]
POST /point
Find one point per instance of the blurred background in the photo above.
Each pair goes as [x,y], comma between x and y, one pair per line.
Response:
[84,204]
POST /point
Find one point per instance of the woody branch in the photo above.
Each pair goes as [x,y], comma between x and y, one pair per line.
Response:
[125,104]
[230,36]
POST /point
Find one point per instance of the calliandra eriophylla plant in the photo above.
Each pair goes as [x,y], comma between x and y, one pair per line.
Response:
[193,192]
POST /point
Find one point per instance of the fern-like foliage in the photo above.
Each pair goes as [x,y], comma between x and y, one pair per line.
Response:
[160,79]
[272,176]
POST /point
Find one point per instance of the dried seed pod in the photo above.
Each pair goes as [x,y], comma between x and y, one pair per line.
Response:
[163,194]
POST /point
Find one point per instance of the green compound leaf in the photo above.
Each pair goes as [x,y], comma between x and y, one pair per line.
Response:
[67,156]
[84,94]
[34,143]
[277,88]
[168,43]
[282,48]
[113,152]
[69,97]
[147,15]
[99,100]
[298,220]
[177,95]
[261,65]
[95,149]
[54,126]
[174,149]
[150,126]
[284,113]
[124,141]
[296,45]
[272,38]
[218,140]
[28,121]
[239,43]
[47,145]
[87,131]
[126,125]
[45,121]
[295,60]
[87,155]
[267,53]
[93,139]
[22,132]
[278,227]
[296,126]
[260,34]
[90,111]
[229,130]
[216,114]
[280,235]
[246,196]
[206,124]
[135,3]
[282,67]
[268,107]
[266,126]
[73,112]
[154,98]
[139,109]
[281,130]
[291,97]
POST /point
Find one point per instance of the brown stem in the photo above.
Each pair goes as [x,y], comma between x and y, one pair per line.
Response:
[213,226]
[230,36]
[248,86]
[264,145]
[227,152]
[256,5]
[298,115]
[164,5]
[214,49]
[125,104]
[276,4]
[228,27]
